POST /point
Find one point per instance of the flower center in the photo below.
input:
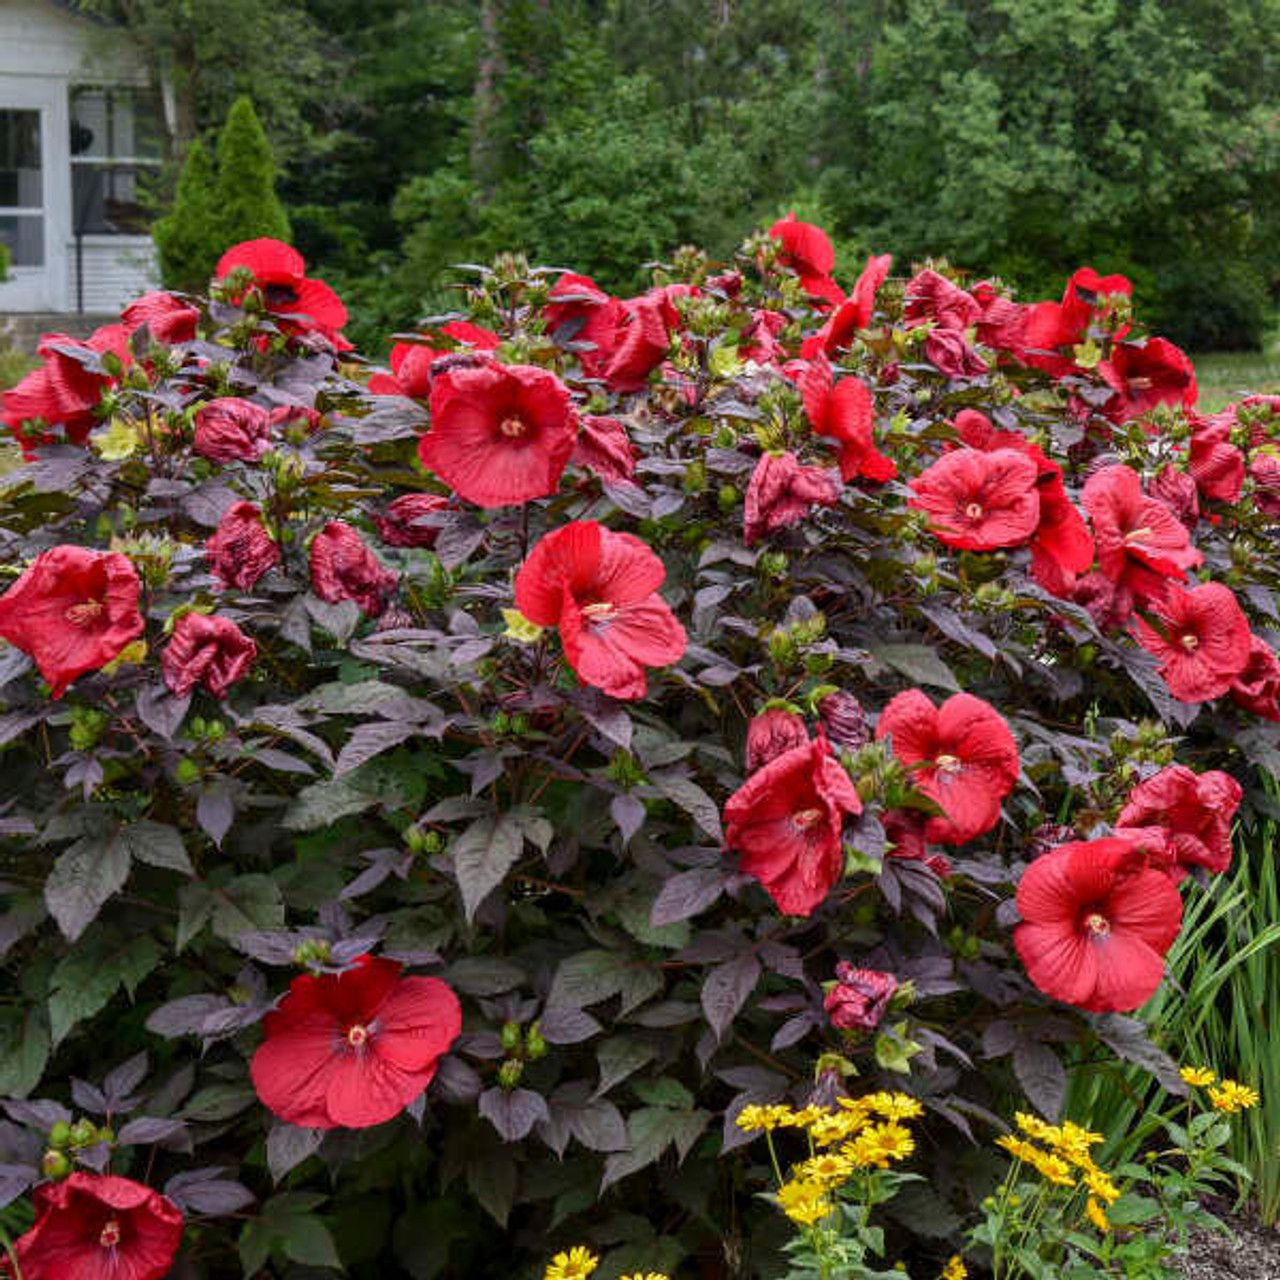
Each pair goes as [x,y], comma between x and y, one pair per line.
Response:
[1190,642]
[806,818]
[599,610]
[513,428]
[1097,924]
[1141,384]
[84,614]
[948,764]
[974,511]
[110,1234]
[357,1035]
[1136,535]
[279,296]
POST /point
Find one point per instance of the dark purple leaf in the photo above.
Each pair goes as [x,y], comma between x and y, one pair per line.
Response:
[1041,1074]
[688,893]
[216,810]
[628,812]
[205,1191]
[514,1112]
[726,988]
[88,1097]
[160,711]
[146,1130]
[288,1145]
[567,1026]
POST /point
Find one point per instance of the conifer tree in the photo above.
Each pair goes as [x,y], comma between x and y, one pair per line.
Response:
[187,237]
[247,206]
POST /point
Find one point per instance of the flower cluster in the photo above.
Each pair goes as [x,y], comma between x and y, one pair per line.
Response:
[1064,1160]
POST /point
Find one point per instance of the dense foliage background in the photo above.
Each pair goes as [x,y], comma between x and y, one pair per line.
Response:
[1018,138]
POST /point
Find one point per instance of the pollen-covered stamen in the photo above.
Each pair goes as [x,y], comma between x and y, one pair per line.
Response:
[513,428]
[948,764]
[974,511]
[1141,384]
[357,1036]
[600,610]
[109,1237]
[806,818]
[1137,535]
[1097,924]
[84,614]
[1190,641]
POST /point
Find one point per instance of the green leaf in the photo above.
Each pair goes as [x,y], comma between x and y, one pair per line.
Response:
[620,1057]
[85,875]
[86,979]
[651,1131]
[919,663]
[247,902]
[307,1240]
[157,845]
[24,1053]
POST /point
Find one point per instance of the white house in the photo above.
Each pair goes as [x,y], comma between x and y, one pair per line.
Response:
[80,136]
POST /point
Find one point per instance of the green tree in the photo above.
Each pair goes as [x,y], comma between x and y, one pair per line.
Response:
[246,202]
[187,237]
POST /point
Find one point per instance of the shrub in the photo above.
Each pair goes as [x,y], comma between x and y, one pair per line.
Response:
[298,701]
[187,239]
[246,206]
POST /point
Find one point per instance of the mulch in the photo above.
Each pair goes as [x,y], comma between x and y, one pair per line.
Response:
[1251,1252]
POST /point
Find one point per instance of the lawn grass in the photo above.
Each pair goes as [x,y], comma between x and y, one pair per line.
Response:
[1227,376]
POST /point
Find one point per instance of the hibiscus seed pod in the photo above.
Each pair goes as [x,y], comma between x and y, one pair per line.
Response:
[60,1135]
[511,1037]
[844,720]
[774,731]
[534,1044]
[510,1072]
[1048,836]
[55,1165]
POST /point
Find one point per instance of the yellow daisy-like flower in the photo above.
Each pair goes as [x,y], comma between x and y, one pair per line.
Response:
[1097,1215]
[1074,1135]
[753,1118]
[1100,1185]
[577,1264]
[804,1201]
[1198,1076]
[884,1142]
[896,1106]
[836,1127]
[830,1169]
[1019,1148]
[1054,1169]
[1231,1096]
[955,1268]
[1038,1129]
[806,1116]
[648,1275]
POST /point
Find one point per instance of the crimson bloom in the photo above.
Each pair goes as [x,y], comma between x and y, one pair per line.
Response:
[859,999]
[232,429]
[100,1227]
[206,650]
[960,754]
[1264,471]
[73,611]
[1203,641]
[854,313]
[589,317]
[600,589]
[401,525]
[353,1049]
[931,296]
[641,341]
[1178,491]
[1050,326]
[604,448]
[241,550]
[1195,809]
[1002,323]
[953,356]
[1146,374]
[774,731]
[1141,542]
[500,434]
[168,319]
[787,822]
[904,829]
[343,568]
[304,419]
[979,501]
[780,493]
[279,272]
[1257,687]
[845,412]
[808,251]
[1215,464]
[1096,924]
[411,361]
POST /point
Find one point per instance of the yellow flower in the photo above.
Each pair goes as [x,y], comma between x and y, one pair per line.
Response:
[1054,1169]
[1198,1076]
[1097,1215]
[830,1169]
[1231,1097]
[756,1117]
[1036,1128]
[895,1106]
[804,1201]
[834,1128]
[1019,1148]
[577,1264]
[1100,1185]
[884,1142]
[955,1268]
[806,1116]
[648,1275]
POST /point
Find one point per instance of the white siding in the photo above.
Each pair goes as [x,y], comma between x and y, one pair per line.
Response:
[40,38]
[116,270]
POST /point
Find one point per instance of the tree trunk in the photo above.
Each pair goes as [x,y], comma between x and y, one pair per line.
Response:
[486,146]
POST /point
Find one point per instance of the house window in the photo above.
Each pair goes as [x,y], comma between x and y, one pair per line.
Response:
[21,187]
[115,158]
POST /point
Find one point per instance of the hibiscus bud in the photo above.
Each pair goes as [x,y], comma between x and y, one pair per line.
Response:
[395,619]
[860,998]
[782,648]
[83,1133]
[535,1046]
[1177,489]
[187,772]
[844,720]
[312,951]
[772,732]
[511,1037]
[60,1135]
[510,1072]
[1048,836]
[55,1165]
[231,429]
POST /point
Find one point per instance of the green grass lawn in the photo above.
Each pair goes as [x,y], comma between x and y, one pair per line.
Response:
[1226,376]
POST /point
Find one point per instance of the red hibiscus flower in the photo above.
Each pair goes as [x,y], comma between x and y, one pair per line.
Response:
[641,341]
[603,448]
[1096,924]
[1061,546]
[1216,465]
[760,338]
[979,501]
[844,720]
[582,315]
[781,492]
[1203,641]
[948,350]
[285,417]
[1195,810]
[854,313]
[931,296]
[206,650]
[1110,604]
[905,831]
[771,733]
[1257,687]
[353,1049]
[500,434]
[960,754]
[809,253]
[787,821]
[168,319]
[860,997]
[1144,375]
[403,523]
[1264,471]
[241,550]
[279,272]
[1177,490]
[600,589]
[1002,323]
[100,1227]
[1141,542]
[343,568]
[1053,325]
[411,361]
[232,430]
[73,611]
[846,414]
[64,391]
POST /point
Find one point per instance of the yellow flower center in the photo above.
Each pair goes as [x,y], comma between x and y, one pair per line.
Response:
[974,511]
[1097,924]
[85,614]
[1136,535]
[110,1235]
[600,610]
[806,818]
[1190,642]
[948,764]
[357,1035]
[513,428]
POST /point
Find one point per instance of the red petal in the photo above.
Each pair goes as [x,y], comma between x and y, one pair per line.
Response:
[269,260]
[418,1023]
